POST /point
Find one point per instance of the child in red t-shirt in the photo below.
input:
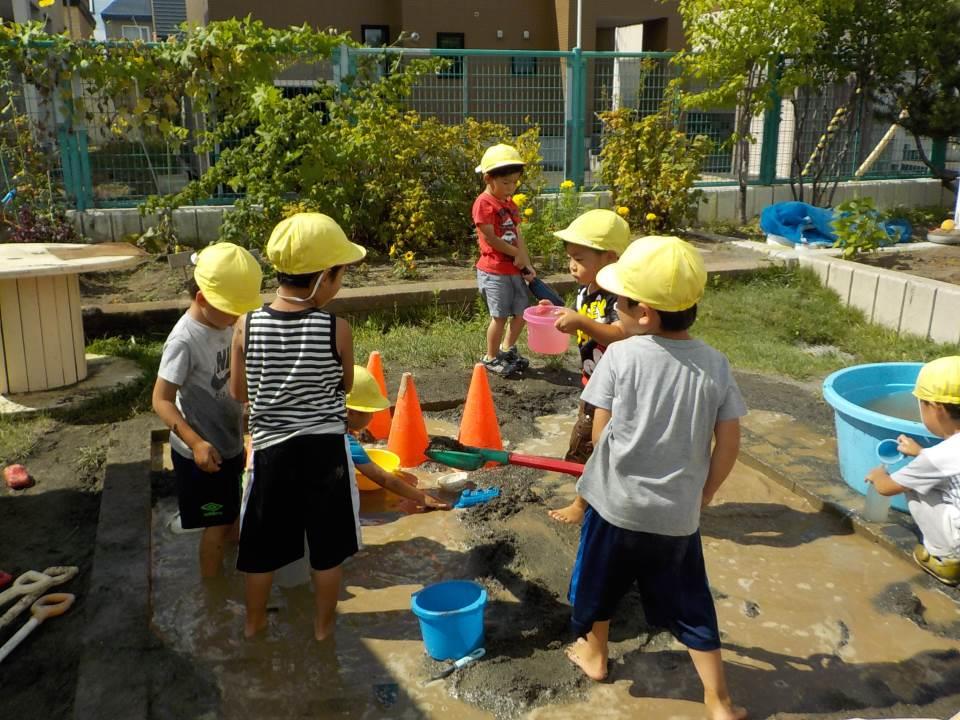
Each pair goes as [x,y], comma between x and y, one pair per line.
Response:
[503,257]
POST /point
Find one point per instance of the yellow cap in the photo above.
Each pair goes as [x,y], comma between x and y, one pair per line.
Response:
[499,156]
[306,243]
[365,395]
[599,230]
[665,273]
[229,278]
[939,381]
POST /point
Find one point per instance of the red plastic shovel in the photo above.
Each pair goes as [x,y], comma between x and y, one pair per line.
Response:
[465,457]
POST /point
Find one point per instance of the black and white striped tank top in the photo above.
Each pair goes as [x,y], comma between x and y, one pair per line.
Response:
[294,375]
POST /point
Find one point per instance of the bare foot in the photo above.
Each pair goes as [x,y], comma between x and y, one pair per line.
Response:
[571,514]
[718,709]
[253,628]
[593,665]
[322,633]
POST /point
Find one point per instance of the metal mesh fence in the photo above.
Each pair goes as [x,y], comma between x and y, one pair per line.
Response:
[102,163]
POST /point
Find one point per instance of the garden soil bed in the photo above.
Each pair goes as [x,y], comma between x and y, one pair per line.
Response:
[942,263]
[54,523]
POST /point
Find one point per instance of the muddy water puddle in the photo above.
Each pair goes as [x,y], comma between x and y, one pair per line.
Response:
[816,621]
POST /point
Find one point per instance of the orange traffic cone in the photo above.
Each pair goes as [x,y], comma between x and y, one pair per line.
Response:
[379,426]
[408,432]
[479,426]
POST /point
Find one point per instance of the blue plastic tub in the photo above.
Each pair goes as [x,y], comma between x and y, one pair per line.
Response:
[451,618]
[860,430]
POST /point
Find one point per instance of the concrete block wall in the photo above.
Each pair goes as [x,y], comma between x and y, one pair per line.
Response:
[201,224]
[905,303]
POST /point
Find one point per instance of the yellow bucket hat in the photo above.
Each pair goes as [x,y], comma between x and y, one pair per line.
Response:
[229,278]
[499,156]
[665,273]
[306,243]
[599,230]
[365,395]
[939,381]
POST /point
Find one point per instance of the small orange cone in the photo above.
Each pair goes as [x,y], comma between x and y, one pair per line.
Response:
[479,426]
[379,426]
[408,432]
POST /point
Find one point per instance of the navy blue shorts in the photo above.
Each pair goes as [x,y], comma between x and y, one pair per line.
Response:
[207,499]
[668,570]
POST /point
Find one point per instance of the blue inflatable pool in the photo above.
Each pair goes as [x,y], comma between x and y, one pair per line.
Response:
[851,392]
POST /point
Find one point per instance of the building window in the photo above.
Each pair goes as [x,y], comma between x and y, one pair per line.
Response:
[375,35]
[523,65]
[451,41]
[135,32]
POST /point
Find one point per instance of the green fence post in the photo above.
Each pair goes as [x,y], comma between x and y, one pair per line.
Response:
[465,100]
[578,95]
[938,153]
[84,176]
[771,133]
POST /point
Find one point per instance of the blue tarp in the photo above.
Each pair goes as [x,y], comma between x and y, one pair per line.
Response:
[798,223]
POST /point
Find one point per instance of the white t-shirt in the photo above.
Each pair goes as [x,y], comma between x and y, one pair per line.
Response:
[935,470]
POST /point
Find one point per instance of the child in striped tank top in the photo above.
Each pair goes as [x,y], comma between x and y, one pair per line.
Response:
[293,362]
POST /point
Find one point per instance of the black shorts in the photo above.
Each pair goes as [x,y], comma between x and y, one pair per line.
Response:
[301,485]
[668,570]
[208,499]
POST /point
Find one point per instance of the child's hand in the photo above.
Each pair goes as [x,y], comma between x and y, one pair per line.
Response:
[523,261]
[206,457]
[431,503]
[568,320]
[528,273]
[705,500]
[908,446]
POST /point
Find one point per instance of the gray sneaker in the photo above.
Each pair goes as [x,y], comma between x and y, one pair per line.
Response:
[500,365]
[513,355]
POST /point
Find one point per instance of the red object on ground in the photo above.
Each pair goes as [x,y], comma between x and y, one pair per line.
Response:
[5,579]
[17,477]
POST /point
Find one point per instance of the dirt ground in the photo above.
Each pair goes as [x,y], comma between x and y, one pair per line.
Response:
[156,280]
[942,263]
[519,556]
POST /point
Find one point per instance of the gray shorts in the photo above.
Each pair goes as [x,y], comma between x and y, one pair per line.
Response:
[506,295]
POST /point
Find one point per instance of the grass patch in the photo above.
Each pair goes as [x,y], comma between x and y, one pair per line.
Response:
[129,400]
[764,321]
[19,436]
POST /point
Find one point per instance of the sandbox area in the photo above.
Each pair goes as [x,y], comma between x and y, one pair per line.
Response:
[817,621]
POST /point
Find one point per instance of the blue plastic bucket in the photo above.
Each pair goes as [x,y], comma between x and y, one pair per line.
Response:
[860,430]
[451,618]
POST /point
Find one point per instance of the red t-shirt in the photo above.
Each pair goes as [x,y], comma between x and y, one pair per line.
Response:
[505,217]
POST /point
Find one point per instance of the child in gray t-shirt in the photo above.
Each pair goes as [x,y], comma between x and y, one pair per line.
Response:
[192,396]
[661,399]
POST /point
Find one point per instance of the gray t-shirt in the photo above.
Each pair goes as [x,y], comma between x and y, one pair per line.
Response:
[665,396]
[196,357]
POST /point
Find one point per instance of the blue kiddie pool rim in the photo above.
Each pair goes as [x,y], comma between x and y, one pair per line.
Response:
[420,611]
[859,412]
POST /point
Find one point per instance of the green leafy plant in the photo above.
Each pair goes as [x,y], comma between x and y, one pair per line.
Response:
[404,264]
[546,214]
[651,167]
[858,227]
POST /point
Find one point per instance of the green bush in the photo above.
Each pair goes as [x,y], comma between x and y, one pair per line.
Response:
[544,215]
[651,166]
[392,178]
[858,227]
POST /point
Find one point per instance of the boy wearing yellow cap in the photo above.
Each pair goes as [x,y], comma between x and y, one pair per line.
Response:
[503,257]
[592,241]
[192,398]
[662,398]
[932,480]
[363,401]
[293,362]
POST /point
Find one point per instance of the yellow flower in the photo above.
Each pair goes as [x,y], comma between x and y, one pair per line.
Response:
[520,199]
[528,212]
[393,250]
[566,184]
[623,211]
[650,216]
[408,256]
